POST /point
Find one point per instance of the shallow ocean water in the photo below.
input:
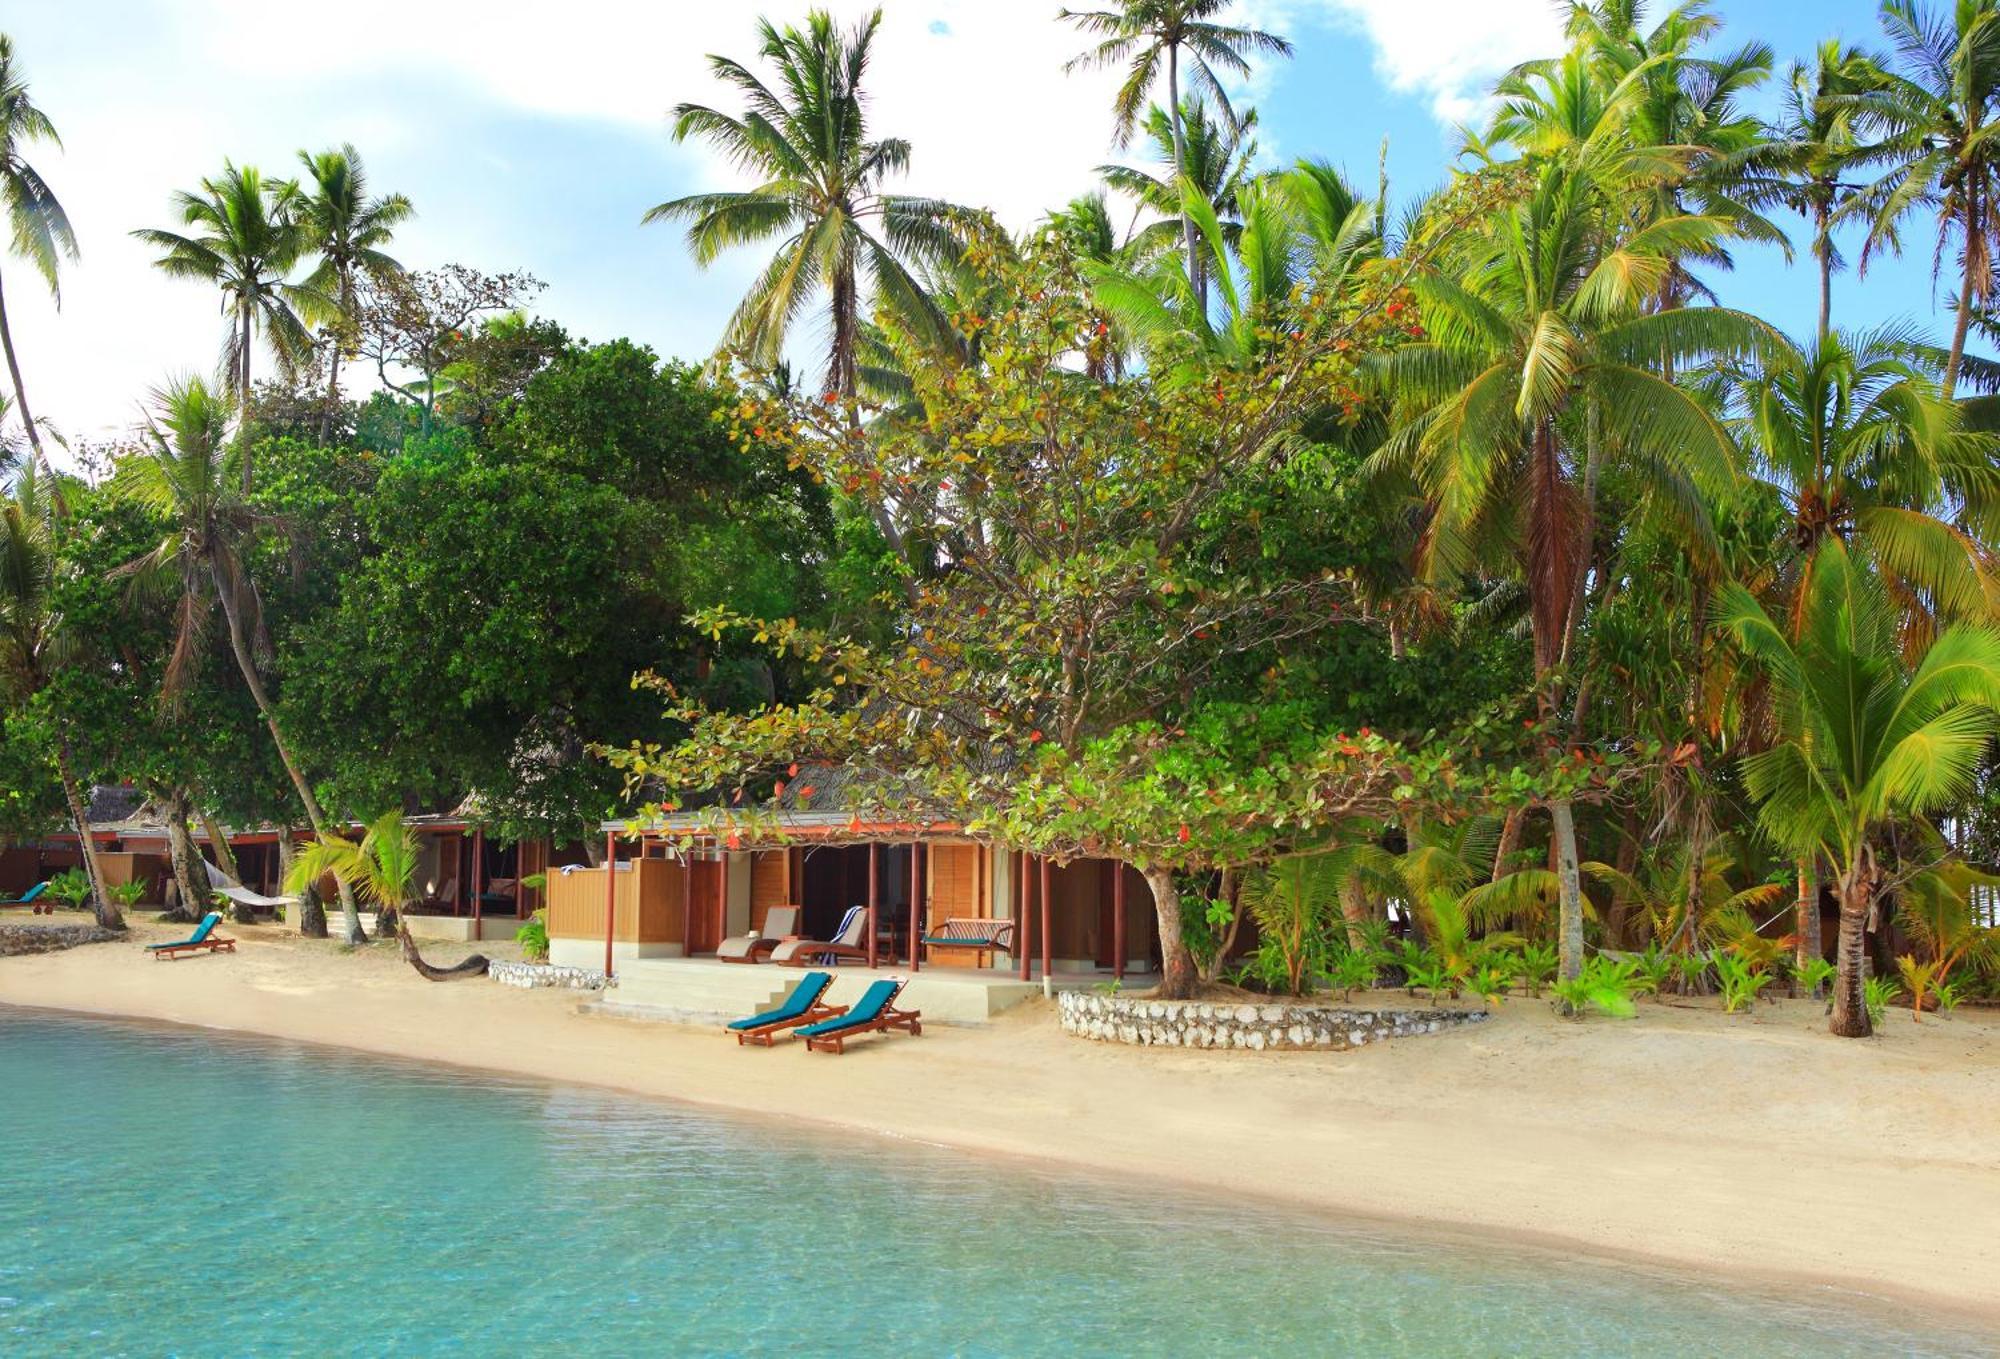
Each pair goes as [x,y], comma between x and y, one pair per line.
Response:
[179,1192]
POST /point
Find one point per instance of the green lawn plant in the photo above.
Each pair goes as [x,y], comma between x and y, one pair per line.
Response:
[1740,982]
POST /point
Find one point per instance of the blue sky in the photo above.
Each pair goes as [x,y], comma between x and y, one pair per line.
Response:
[534,137]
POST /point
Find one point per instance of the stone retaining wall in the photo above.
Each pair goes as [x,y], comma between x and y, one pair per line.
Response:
[541,974]
[18,939]
[1207,1024]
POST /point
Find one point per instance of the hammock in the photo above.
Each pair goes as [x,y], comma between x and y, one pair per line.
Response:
[223,885]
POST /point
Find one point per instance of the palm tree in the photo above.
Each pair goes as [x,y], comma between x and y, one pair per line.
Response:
[348,230]
[35,642]
[187,476]
[1216,163]
[249,233]
[1806,155]
[380,867]
[1141,35]
[821,191]
[1934,124]
[1869,740]
[1858,440]
[1538,370]
[42,234]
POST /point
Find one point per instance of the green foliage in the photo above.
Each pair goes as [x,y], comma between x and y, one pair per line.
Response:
[1814,974]
[71,887]
[127,894]
[1535,967]
[1295,905]
[1879,992]
[533,937]
[1432,975]
[1655,966]
[1602,985]
[1741,980]
[1352,970]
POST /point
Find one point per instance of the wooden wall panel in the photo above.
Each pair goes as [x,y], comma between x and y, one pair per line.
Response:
[770,883]
[953,888]
[651,909]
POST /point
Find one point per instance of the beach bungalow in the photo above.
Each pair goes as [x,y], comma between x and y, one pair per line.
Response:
[669,892]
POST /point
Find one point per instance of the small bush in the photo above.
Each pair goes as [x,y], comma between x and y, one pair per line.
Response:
[1741,981]
[1813,975]
[1877,993]
[71,887]
[1603,985]
[533,937]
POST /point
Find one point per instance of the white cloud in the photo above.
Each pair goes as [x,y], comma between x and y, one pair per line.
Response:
[1448,51]
[151,95]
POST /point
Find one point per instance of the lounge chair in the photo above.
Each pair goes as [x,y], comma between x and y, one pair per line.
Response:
[845,946]
[873,1013]
[802,1006]
[31,898]
[780,923]
[967,932]
[203,938]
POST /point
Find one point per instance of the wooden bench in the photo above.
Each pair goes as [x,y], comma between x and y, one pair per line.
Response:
[972,932]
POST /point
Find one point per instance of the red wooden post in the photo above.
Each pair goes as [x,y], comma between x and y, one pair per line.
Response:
[874,897]
[916,896]
[478,883]
[610,893]
[1118,919]
[1021,939]
[1047,970]
[520,861]
[687,902]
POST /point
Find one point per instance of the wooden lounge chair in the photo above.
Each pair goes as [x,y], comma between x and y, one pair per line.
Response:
[203,939]
[780,923]
[802,1006]
[968,932]
[845,946]
[32,898]
[873,1013]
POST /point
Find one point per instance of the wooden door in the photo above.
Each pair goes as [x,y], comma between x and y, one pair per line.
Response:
[706,896]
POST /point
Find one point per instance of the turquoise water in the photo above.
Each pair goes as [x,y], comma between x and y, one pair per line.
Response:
[175,1192]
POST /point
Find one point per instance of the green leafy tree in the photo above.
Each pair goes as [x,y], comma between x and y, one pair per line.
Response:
[1867,741]
[41,230]
[380,868]
[36,642]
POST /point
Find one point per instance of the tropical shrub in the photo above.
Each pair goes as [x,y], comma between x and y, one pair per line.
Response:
[1602,985]
[1352,971]
[1489,982]
[1692,968]
[1741,981]
[1535,965]
[1432,976]
[1813,975]
[1655,967]
[128,894]
[71,887]
[1920,979]
[533,937]
[1876,993]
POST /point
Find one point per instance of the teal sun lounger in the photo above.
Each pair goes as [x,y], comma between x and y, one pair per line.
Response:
[31,897]
[874,1013]
[802,1006]
[204,939]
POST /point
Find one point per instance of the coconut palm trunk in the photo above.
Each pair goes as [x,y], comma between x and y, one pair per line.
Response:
[1177,969]
[1196,280]
[108,914]
[21,392]
[1959,327]
[1808,945]
[225,857]
[1856,890]
[350,916]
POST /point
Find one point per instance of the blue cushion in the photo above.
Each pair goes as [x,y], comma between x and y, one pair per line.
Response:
[810,988]
[200,936]
[871,1006]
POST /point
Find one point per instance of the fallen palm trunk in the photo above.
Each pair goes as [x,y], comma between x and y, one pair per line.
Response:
[475,966]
